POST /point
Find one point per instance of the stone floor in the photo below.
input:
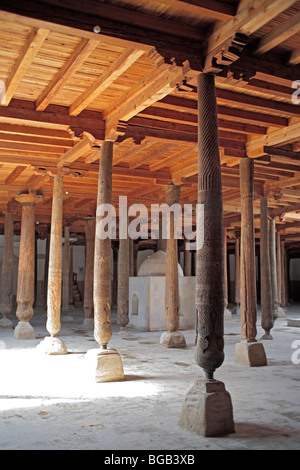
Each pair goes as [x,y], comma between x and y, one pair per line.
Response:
[52,402]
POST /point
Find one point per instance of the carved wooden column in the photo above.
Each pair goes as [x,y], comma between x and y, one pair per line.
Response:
[46,268]
[6,292]
[66,277]
[52,344]
[172,338]
[123,283]
[26,268]
[88,306]
[248,351]
[197,410]
[265,272]
[108,363]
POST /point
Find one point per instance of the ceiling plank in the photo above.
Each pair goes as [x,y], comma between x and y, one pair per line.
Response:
[80,54]
[278,35]
[30,50]
[255,146]
[117,68]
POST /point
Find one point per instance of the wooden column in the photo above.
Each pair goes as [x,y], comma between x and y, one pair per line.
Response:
[123,283]
[108,363]
[115,277]
[66,272]
[6,286]
[247,267]
[102,279]
[278,264]
[187,260]
[46,268]
[207,395]
[227,312]
[172,338]
[26,268]
[237,274]
[88,306]
[265,270]
[71,283]
[276,309]
[248,351]
[210,258]
[283,275]
[53,345]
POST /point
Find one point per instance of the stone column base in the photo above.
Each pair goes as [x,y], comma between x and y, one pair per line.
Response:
[236,310]
[174,339]
[52,346]
[106,364]
[6,322]
[250,354]
[24,330]
[227,314]
[207,409]
[88,323]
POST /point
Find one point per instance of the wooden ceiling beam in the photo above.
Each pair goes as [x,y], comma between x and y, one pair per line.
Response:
[30,50]
[251,15]
[80,54]
[255,146]
[278,35]
[117,68]
[24,112]
[80,149]
[147,95]
[212,9]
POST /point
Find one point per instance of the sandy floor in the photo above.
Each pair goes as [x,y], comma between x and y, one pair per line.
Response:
[52,402]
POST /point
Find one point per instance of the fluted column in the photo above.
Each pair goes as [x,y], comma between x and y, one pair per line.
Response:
[172,338]
[237,274]
[207,395]
[26,268]
[108,363]
[52,344]
[6,286]
[88,306]
[265,272]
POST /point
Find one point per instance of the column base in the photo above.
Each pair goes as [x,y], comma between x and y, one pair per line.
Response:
[88,323]
[250,354]
[267,336]
[52,346]
[227,314]
[24,330]
[280,312]
[172,339]
[106,364]
[6,322]
[207,409]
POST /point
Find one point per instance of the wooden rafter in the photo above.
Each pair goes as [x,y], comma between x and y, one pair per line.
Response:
[30,50]
[80,54]
[118,67]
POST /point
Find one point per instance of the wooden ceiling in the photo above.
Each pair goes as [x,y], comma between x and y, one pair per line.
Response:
[69,87]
